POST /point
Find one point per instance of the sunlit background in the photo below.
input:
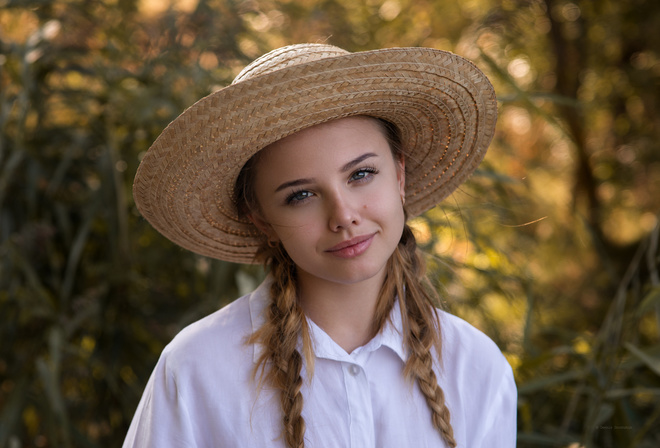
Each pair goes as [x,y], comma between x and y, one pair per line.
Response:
[551,248]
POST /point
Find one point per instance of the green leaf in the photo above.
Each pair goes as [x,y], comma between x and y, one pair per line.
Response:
[650,361]
[552,380]
[649,301]
[543,440]
[12,410]
[620,393]
[605,412]
[49,376]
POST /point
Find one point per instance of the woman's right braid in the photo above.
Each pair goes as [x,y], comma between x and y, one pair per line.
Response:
[281,362]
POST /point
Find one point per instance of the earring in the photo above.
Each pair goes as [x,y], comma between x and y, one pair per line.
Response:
[272,244]
[403,199]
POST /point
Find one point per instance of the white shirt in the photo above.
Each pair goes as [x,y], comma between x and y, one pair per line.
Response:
[201,393]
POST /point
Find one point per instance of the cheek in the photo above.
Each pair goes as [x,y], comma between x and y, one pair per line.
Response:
[385,203]
[295,227]
[393,215]
[301,245]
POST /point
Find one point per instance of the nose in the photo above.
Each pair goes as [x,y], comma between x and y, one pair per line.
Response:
[342,213]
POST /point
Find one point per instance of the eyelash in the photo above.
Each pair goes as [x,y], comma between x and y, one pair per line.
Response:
[369,170]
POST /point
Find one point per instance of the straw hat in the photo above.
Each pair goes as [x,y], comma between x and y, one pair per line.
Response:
[442,104]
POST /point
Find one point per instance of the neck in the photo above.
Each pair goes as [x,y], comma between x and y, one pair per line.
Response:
[344,311]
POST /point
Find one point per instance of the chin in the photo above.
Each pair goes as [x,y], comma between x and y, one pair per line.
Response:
[352,273]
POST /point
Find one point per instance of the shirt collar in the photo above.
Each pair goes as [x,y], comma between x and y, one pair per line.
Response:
[391,336]
[258,302]
[392,333]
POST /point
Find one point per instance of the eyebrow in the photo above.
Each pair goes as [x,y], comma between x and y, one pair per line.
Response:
[347,167]
[350,165]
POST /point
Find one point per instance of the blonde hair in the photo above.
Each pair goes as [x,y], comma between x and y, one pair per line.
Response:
[280,364]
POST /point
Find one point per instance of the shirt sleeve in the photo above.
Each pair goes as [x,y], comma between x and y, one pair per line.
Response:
[501,427]
[161,419]
[480,387]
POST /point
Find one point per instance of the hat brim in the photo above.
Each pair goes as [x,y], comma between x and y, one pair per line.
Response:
[443,105]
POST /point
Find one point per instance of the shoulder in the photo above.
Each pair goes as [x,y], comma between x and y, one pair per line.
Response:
[224,325]
[467,348]
[479,385]
[203,379]
[219,338]
[474,368]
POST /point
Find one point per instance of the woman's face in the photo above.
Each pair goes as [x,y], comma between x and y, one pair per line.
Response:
[332,194]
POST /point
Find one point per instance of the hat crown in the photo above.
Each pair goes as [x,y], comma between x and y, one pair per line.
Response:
[286,57]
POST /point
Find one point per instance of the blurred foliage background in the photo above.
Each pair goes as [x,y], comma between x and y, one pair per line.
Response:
[551,248]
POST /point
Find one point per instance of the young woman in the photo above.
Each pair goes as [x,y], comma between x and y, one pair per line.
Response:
[310,162]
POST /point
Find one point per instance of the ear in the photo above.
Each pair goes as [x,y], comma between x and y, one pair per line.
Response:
[401,176]
[261,224]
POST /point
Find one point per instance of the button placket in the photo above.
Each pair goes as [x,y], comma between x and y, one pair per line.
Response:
[359,402]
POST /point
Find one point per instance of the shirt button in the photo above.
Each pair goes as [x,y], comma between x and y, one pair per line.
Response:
[353,369]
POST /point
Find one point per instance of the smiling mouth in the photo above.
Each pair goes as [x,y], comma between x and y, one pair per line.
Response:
[353,247]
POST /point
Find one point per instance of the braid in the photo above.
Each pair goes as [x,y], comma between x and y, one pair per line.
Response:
[279,336]
[421,329]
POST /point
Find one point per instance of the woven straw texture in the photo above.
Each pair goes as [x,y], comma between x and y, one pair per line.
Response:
[443,105]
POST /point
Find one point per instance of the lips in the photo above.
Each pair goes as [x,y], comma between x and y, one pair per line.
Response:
[353,247]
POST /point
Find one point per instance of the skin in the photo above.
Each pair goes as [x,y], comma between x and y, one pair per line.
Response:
[332,194]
